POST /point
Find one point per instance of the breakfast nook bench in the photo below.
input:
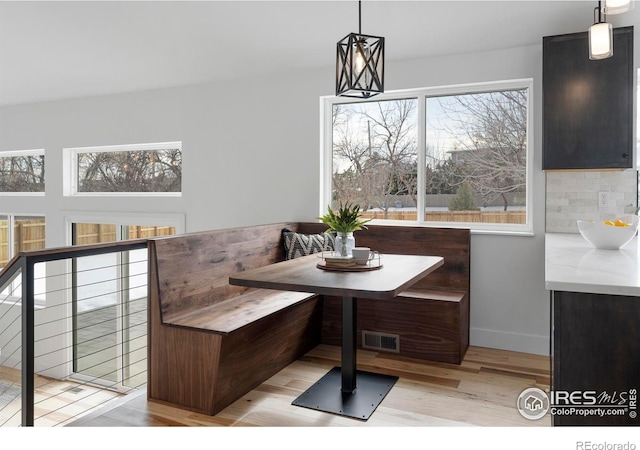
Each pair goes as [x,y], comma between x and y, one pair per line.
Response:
[211,342]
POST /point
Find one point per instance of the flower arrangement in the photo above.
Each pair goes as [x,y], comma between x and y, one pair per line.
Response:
[345,221]
[343,224]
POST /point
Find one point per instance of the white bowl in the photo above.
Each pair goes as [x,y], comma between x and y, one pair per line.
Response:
[608,237]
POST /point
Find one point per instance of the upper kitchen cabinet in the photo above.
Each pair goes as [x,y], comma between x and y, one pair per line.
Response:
[587,104]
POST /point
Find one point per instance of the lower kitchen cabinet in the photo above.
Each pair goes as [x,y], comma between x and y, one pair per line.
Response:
[595,370]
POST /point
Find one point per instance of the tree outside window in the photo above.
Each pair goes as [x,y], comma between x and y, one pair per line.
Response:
[130,171]
[375,151]
[22,173]
[475,157]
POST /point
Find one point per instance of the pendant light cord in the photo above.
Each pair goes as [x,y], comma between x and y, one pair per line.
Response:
[360,17]
[601,16]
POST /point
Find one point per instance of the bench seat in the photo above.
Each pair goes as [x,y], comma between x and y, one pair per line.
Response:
[232,314]
[210,342]
[434,294]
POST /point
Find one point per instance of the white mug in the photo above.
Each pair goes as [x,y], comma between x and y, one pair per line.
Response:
[362,255]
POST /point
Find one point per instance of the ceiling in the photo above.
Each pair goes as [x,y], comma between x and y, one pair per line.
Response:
[54,50]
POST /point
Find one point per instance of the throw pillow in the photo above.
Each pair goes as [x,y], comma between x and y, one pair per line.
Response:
[299,244]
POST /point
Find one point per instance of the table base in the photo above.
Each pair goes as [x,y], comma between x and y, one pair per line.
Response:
[326,394]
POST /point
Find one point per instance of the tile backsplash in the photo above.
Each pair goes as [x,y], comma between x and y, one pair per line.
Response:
[573,196]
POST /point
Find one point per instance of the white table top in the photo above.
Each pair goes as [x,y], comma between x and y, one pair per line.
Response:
[572,264]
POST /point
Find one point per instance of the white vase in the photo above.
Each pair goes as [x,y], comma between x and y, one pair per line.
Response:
[344,244]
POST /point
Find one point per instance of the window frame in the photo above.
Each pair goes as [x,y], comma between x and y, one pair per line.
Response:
[32,152]
[421,94]
[70,171]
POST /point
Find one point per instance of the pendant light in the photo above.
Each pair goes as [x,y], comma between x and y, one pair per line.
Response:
[600,36]
[617,6]
[360,64]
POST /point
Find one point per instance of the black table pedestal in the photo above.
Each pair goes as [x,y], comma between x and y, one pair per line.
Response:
[346,391]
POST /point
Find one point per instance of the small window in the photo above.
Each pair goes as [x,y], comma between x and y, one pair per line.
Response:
[22,172]
[145,169]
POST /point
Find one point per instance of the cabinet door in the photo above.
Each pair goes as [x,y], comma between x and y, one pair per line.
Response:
[596,350]
[587,104]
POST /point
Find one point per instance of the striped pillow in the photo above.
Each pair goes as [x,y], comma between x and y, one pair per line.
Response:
[298,244]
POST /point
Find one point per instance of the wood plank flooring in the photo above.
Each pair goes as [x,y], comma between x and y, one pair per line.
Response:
[57,402]
[482,391]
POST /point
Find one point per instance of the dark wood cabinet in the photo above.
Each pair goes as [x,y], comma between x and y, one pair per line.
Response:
[587,104]
[595,359]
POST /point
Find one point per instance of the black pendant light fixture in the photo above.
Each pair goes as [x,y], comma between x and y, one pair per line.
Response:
[600,36]
[360,64]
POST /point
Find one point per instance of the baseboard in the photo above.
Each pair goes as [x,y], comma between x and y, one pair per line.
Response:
[517,342]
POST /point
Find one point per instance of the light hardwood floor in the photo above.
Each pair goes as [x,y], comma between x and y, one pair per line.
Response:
[482,391]
[57,402]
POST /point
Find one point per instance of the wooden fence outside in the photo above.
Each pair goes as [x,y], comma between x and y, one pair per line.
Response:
[517,217]
[93,233]
[30,235]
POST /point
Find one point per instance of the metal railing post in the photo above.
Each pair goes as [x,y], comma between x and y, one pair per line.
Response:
[28,342]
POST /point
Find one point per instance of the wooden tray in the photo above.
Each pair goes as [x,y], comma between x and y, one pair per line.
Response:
[373,265]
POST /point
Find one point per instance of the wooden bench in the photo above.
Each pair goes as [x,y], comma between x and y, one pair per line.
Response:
[429,321]
[211,342]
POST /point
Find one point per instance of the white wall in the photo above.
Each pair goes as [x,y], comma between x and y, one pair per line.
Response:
[509,304]
[259,139]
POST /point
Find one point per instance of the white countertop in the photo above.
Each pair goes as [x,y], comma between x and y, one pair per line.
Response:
[572,264]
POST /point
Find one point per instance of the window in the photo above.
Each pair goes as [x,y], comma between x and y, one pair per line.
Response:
[111,290]
[22,172]
[17,234]
[20,233]
[433,156]
[145,169]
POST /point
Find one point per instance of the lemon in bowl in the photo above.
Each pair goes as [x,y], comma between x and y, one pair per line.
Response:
[609,234]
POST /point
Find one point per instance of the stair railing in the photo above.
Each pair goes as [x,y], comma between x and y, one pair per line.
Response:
[24,263]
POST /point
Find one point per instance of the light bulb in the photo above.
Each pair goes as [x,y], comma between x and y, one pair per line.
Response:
[362,53]
[359,62]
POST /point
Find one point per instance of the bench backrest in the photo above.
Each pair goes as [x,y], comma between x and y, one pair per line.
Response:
[453,244]
[192,270]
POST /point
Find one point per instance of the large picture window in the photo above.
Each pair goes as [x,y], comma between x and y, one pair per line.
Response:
[452,155]
[145,169]
[22,172]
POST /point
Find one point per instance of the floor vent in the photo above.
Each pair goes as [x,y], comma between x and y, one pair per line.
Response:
[381,341]
[73,390]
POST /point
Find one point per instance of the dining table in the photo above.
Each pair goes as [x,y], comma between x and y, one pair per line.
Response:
[344,390]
